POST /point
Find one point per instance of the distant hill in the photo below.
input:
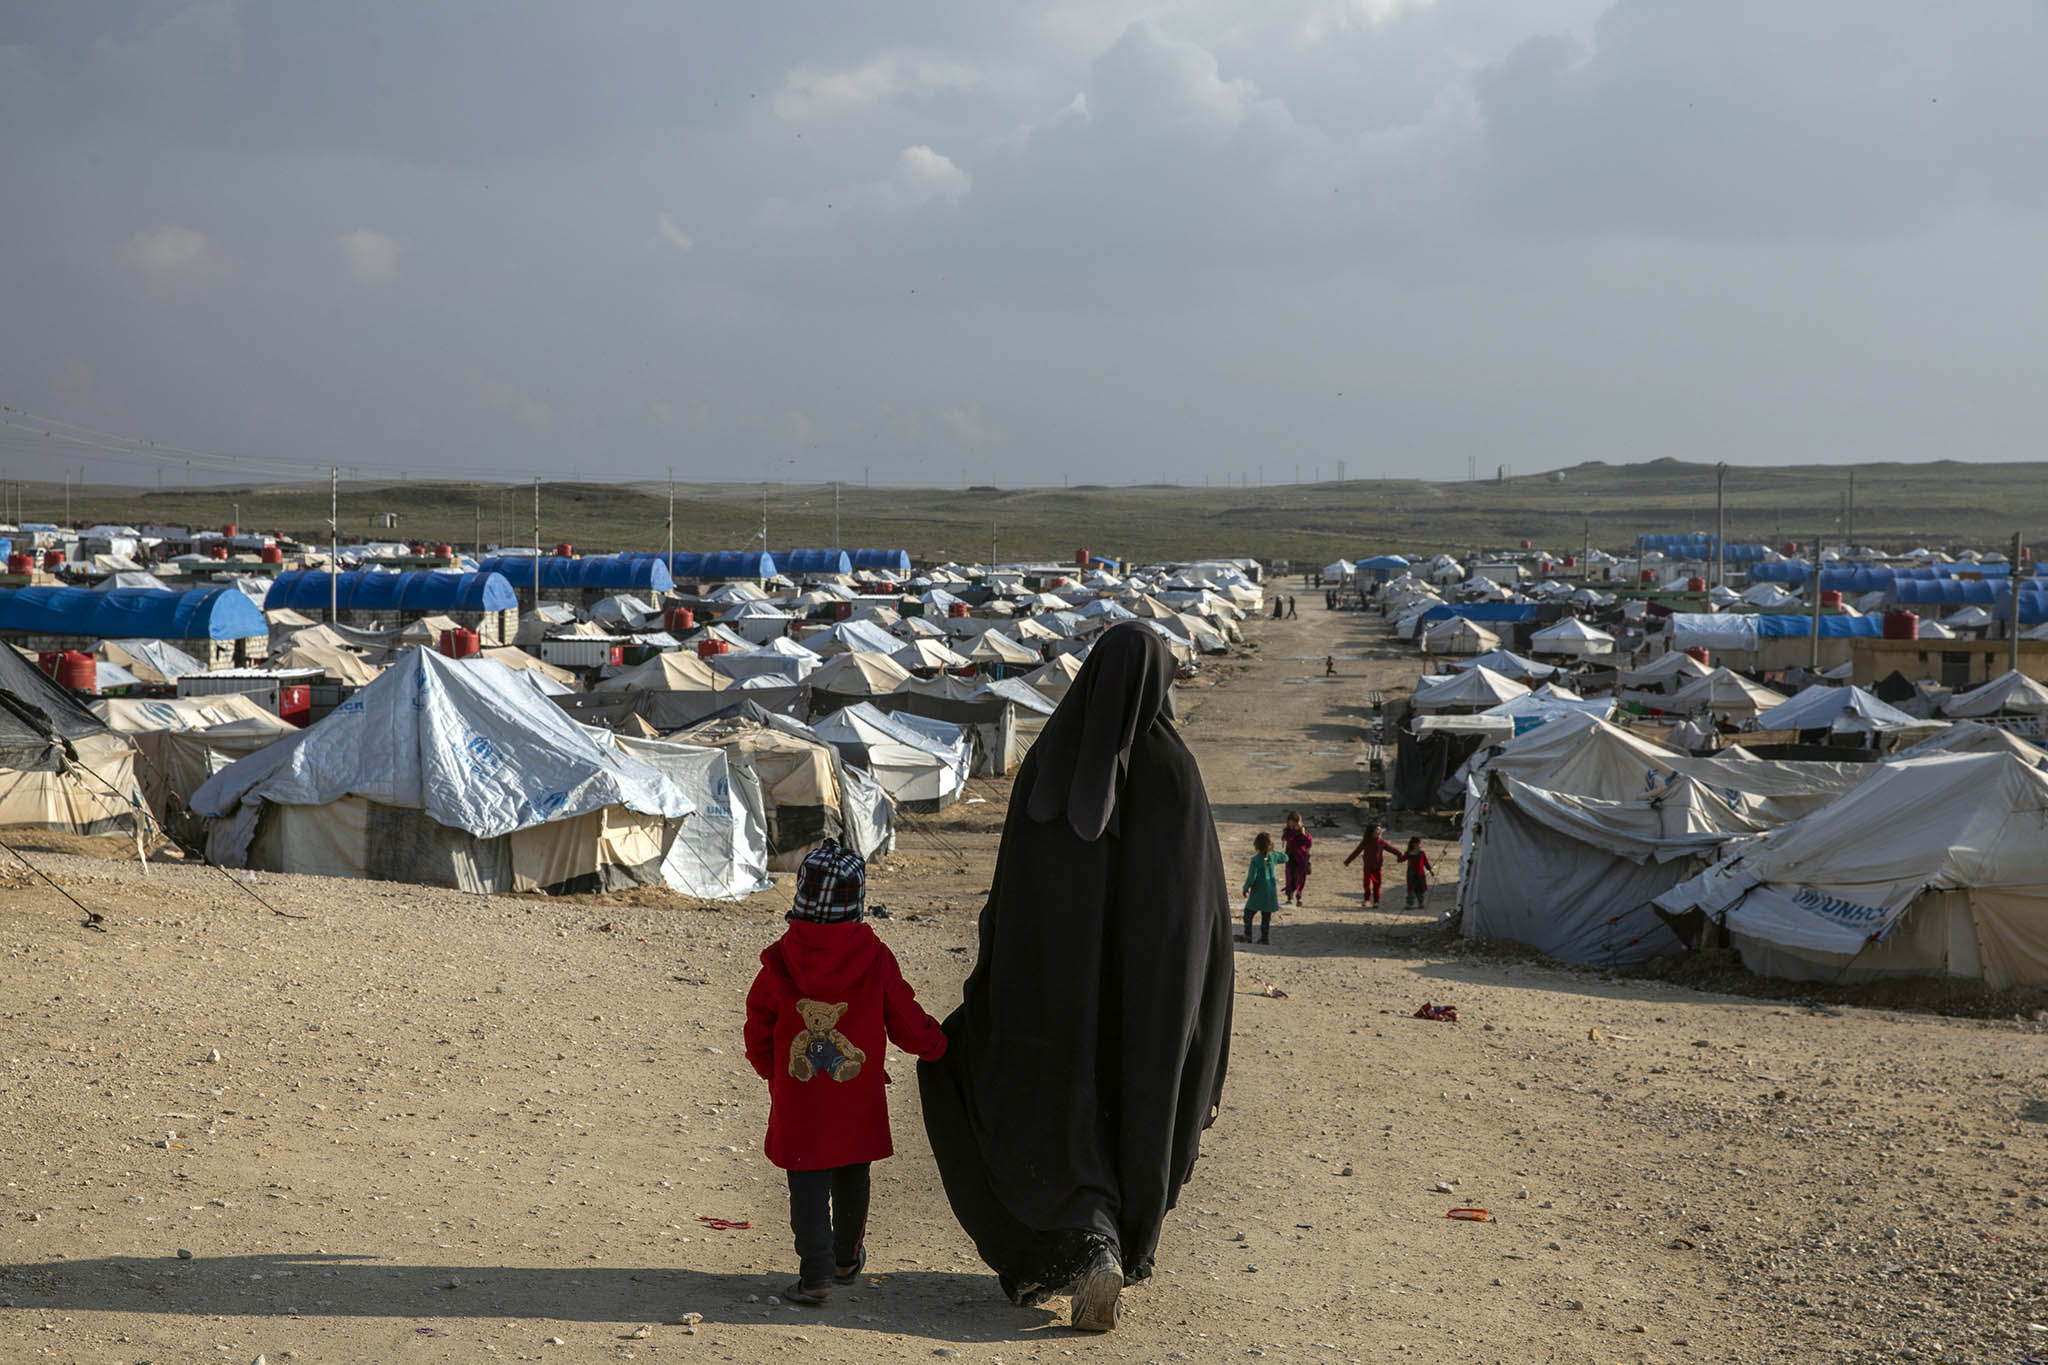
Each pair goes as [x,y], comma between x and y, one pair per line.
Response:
[1898,505]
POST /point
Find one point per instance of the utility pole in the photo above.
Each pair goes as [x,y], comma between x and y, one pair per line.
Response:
[764,518]
[1849,516]
[1720,526]
[837,543]
[479,542]
[238,516]
[67,503]
[2012,627]
[992,546]
[1586,556]
[671,518]
[333,544]
[536,543]
[1813,656]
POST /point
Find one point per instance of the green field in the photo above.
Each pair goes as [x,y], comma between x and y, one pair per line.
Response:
[1897,506]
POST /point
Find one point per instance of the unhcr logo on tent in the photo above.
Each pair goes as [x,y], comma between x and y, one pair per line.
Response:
[484,756]
[1835,908]
[545,806]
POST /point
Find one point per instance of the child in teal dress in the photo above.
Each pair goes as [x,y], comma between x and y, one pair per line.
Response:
[1262,892]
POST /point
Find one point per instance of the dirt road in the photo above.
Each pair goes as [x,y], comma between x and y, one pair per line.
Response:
[422,1126]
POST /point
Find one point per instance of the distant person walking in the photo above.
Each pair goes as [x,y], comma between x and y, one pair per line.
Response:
[1261,895]
[1329,665]
[1279,607]
[1418,873]
[1374,850]
[1290,607]
[1297,841]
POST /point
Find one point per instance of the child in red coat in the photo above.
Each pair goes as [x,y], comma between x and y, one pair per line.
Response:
[828,1002]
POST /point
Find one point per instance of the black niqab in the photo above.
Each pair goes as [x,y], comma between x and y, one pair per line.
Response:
[1088,1053]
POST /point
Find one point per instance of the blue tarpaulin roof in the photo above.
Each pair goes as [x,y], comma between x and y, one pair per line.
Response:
[881,561]
[1382,562]
[811,563]
[417,592]
[717,565]
[1946,592]
[1798,626]
[132,613]
[608,573]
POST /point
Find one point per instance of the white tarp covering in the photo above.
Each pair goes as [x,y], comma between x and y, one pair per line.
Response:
[1571,636]
[1844,709]
[721,852]
[1935,866]
[1475,688]
[1712,630]
[1573,876]
[476,747]
[2010,693]
[914,763]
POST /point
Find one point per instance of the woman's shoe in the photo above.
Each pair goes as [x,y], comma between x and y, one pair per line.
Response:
[799,1292]
[860,1261]
[1096,1294]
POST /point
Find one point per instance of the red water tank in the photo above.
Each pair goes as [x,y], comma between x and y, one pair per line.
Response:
[78,671]
[709,647]
[1697,653]
[1830,599]
[1082,559]
[1900,624]
[1571,561]
[460,643]
[230,530]
[271,554]
[53,560]
[217,552]
[1525,544]
[1695,585]
[21,563]
[565,550]
[678,618]
[444,552]
[1648,577]
[295,705]
[957,609]
[842,611]
[1789,548]
[47,661]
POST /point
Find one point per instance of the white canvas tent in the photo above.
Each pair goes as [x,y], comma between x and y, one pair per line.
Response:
[921,766]
[1722,692]
[721,851]
[1840,710]
[450,773]
[1475,689]
[672,670]
[1934,867]
[1508,664]
[1572,636]
[1458,635]
[2011,693]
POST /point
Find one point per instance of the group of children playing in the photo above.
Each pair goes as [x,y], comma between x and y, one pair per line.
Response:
[1265,891]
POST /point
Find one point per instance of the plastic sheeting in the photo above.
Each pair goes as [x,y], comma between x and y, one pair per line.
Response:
[412,593]
[721,852]
[477,747]
[609,573]
[1822,893]
[813,563]
[132,614]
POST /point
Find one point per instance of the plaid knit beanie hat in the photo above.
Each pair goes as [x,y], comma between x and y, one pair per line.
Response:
[831,886]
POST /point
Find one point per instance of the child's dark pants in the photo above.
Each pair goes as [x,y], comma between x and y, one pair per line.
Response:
[828,1212]
[1265,925]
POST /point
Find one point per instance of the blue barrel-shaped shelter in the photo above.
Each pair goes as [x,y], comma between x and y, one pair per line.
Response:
[721,566]
[215,625]
[881,561]
[368,598]
[813,563]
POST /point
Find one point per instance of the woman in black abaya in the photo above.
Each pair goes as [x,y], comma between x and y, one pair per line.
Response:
[1088,1052]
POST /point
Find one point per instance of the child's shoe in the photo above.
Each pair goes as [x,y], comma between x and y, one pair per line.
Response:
[814,1294]
[860,1260]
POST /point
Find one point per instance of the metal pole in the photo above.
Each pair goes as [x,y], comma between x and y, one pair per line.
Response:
[2012,627]
[671,517]
[479,531]
[1720,526]
[536,544]
[837,543]
[1849,517]
[333,544]
[1813,658]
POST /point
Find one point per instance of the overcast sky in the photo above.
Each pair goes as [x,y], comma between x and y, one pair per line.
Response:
[931,241]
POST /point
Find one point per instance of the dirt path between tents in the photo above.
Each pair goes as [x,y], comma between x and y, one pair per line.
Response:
[422,1126]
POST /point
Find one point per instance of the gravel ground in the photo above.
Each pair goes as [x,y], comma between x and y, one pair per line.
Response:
[417,1125]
